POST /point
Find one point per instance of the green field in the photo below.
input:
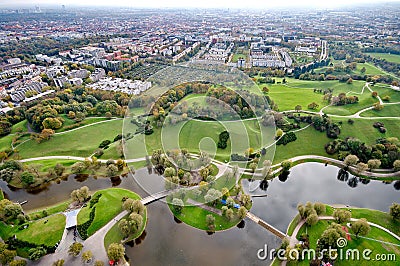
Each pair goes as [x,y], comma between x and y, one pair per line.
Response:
[109,206]
[236,57]
[394,58]
[194,135]
[196,217]
[82,142]
[114,234]
[387,111]
[53,209]
[301,92]
[363,129]
[309,141]
[47,231]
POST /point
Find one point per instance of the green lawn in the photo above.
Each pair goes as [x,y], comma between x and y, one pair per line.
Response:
[301,92]
[114,234]
[1,194]
[363,129]
[309,141]
[196,217]
[387,111]
[53,209]
[39,232]
[236,57]
[82,142]
[5,142]
[87,121]
[194,135]
[394,58]
[20,127]
[109,206]
[47,164]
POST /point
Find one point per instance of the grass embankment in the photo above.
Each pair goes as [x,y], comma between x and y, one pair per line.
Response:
[82,142]
[49,210]
[47,231]
[387,111]
[109,206]
[1,194]
[195,216]
[114,234]
[394,58]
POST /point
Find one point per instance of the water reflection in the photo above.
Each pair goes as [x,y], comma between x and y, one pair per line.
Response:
[315,182]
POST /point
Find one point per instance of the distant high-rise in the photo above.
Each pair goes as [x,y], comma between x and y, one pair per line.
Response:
[37,9]
[63,7]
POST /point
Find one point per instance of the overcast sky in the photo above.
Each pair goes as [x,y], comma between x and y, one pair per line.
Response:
[194,3]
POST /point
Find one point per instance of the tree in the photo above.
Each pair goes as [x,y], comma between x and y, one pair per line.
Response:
[59,169]
[312,219]
[6,255]
[71,115]
[361,167]
[351,160]
[27,178]
[374,163]
[349,81]
[363,69]
[279,133]
[242,212]
[396,165]
[79,116]
[297,108]
[169,172]
[177,205]
[112,170]
[342,216]
[81,194]
[120,164]
[7,174]
[378,106]
[302,211]
[210,221]
[360,227]
[229,214]
[395,211]
[374,94]
[320,208]
[246,200]
[87,256]
[59,262]
[225,193]
[115,251]
[18,263]
[136,221]
[98,263]
[37,253]
[253,167]
[124,227]
[51,123]
[75,249]
[286,165]
[329,238]
[108,115]
[78,167]
[313,106]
